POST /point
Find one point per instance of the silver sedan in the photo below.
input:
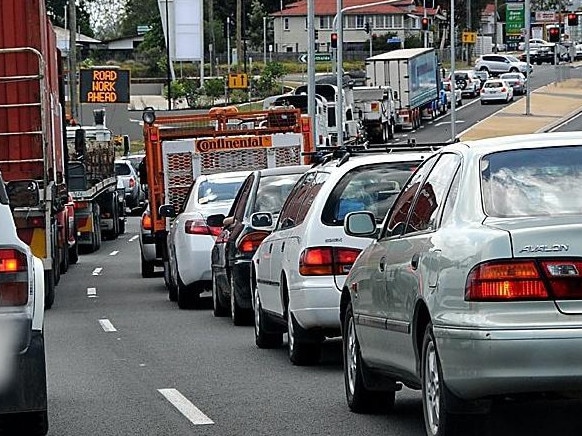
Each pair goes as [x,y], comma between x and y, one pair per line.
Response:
[472,290]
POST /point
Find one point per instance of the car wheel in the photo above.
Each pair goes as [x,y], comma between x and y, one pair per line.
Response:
[217,308]
[513,70]
[300,353]
[360,399]
[484,69]
[170,283]
[264,338]
[28,423]
[239,315]
[147,268]
[482,102]
[437,420]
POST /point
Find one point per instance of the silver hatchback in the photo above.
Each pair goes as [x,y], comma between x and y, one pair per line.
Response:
[472,291]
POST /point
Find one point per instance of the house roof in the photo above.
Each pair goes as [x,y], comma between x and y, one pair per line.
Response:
[63,35]
[329,7]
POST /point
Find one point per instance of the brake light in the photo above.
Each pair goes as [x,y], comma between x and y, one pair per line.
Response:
[131,182]
[503,89]
[375,106]
[146,221]
[505,280]
[251,241]
[325,261]
[13,278]
[81,205]
[198,226]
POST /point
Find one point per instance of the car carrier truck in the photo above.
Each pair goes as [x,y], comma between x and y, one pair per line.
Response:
[32,153]
[413,75]
[179,148]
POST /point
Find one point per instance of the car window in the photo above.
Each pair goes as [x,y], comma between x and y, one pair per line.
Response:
[238,207]
[493,85]
[293,203]
[399,213]
[320,179]
[371,187]
[215,190]
[432,194]
[532,182]
[272,192]
[122,169]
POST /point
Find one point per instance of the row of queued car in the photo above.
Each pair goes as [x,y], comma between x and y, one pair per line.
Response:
[455,271]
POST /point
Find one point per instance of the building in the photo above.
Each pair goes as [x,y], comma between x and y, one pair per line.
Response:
[401,18]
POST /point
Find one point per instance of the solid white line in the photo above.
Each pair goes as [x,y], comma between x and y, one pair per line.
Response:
[92,292]
[97,271]
[107,326]
[133,238]
[189,410]
[113,253]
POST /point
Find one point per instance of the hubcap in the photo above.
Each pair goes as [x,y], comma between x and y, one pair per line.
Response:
[432,388]
[351,356]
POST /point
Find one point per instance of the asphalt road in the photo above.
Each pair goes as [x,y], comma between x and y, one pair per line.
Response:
[115,344]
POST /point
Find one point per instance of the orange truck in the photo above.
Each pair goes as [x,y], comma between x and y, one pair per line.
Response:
[32,153]
[179,148]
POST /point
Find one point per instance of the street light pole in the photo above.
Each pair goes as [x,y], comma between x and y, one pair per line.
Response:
[452,81]
[527,13]
[228,43]
[265,40]
[425,33]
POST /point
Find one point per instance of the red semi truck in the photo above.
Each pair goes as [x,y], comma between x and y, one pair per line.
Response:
[32,152]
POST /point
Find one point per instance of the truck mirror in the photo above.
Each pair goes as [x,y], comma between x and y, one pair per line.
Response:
[23,193]
[167,211]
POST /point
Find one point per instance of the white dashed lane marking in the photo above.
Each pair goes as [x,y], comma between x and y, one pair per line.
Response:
[97,271]
[92,292]
[106,325]
[186,408]
[133,238]
[114,253]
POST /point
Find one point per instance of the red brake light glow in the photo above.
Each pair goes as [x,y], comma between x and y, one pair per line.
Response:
[325,261]
[251,241]
[13,278]
[198,226]
[146,221]
[505,280]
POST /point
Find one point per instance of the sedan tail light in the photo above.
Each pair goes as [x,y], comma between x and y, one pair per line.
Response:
[326,261]
[198,226]
[131,182]
[251,241]
[13,278]
[547,279]
[503,89]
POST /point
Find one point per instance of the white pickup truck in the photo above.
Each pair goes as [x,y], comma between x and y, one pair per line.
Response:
[23,391]
[374,107]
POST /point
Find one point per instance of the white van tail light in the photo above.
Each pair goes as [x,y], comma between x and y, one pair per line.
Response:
[13,278]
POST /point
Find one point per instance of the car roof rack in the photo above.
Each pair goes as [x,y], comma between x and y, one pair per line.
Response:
[324,155]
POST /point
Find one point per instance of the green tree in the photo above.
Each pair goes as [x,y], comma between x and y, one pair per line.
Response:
[56,10]
[255,31]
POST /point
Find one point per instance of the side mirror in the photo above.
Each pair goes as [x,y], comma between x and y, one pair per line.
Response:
[360,224]
[23,193]
[216,220]
[262,219]
[167,211]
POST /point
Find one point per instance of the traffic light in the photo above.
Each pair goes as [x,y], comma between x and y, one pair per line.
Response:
[572,19]
[424,23]
[334,40]
[554,34]
[316,34]
[368,27]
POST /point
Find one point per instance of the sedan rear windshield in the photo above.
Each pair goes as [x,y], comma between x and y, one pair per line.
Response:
[372,187]
[532,182]
[122,169]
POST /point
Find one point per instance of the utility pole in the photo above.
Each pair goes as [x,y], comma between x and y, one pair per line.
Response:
[212,44]
[495,50]
[73,59]
[469,28]
[239,48]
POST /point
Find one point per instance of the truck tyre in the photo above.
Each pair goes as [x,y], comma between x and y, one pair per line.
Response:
[391,129]
[74,253]
[147,268]
[121,225]
[49,292]
[64,264]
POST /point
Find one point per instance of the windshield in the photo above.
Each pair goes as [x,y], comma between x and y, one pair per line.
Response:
[532,182]
[216,190]
[512,58]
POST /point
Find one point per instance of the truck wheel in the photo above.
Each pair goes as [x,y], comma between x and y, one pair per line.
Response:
[64,264]
[49,291]
[74,253]
[391,131]
[147,268]
[121,226]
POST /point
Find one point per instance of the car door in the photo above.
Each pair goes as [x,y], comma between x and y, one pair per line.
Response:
[371,305]
[411,267]
[269,255]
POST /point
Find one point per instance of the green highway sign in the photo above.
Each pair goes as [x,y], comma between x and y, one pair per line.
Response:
[319,57]
[514,18]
